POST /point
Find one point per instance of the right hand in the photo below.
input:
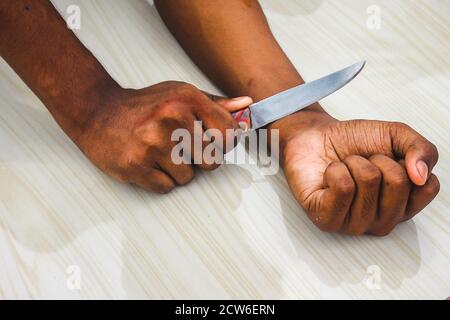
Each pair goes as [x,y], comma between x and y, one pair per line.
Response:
[129,136]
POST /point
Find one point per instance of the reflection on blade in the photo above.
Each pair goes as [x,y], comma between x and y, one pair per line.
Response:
[297,98]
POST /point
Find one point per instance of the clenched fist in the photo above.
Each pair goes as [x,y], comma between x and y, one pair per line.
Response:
[356,176]
[129,136]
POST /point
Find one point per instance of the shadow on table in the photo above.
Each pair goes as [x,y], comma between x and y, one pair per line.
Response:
[334,259]
[337,259]
[99,218]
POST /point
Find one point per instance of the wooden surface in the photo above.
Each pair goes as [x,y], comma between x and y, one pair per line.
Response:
[232,233]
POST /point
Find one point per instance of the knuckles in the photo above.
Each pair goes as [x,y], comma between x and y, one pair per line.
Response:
[179,100]
[370,175]
[169,110]
[141,135]
[397,181]
[186,89]
[346,186]
[365,173]
[130,161]
[152,138]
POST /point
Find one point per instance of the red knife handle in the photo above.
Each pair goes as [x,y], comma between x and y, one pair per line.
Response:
[243,118]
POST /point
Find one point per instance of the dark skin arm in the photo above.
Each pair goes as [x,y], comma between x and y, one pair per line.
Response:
[125,132]
[211,33]
[66,76]
[352,177]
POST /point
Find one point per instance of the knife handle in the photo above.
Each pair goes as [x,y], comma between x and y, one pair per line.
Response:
[243,118]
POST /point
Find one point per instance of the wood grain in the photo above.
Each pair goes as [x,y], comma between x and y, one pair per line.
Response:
[232,233]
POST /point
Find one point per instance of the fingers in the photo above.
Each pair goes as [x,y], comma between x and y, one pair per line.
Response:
[205,152]
[420,154]
[157,139]
[198,144]
[147,156]
[394,195]
[421,196]
[182,173]
[363,212]
[235,104]
[231,105]
[154,180]
[368,196]
[214,116]
[334,201]
[208,143]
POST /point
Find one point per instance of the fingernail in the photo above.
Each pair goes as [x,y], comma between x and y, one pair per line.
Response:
[422,169]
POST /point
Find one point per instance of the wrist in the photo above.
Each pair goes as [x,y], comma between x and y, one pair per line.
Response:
[284,77]
[75,111]
[312,117]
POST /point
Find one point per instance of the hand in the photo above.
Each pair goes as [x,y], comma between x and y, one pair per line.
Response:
[356,176]
[129,136]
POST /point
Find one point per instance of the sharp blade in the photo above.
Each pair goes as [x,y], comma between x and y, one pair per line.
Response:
[297,98]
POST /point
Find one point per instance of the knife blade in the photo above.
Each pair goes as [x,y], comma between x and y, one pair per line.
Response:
[292,100]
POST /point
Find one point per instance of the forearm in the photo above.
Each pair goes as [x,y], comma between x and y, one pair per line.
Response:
[36,43]
[230,40]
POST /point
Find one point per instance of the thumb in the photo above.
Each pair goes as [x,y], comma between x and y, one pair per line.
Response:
[233,104]
[420,154]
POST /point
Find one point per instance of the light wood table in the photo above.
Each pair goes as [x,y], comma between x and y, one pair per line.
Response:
[231,233]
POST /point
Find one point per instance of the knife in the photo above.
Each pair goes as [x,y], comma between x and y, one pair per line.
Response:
[292,100]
